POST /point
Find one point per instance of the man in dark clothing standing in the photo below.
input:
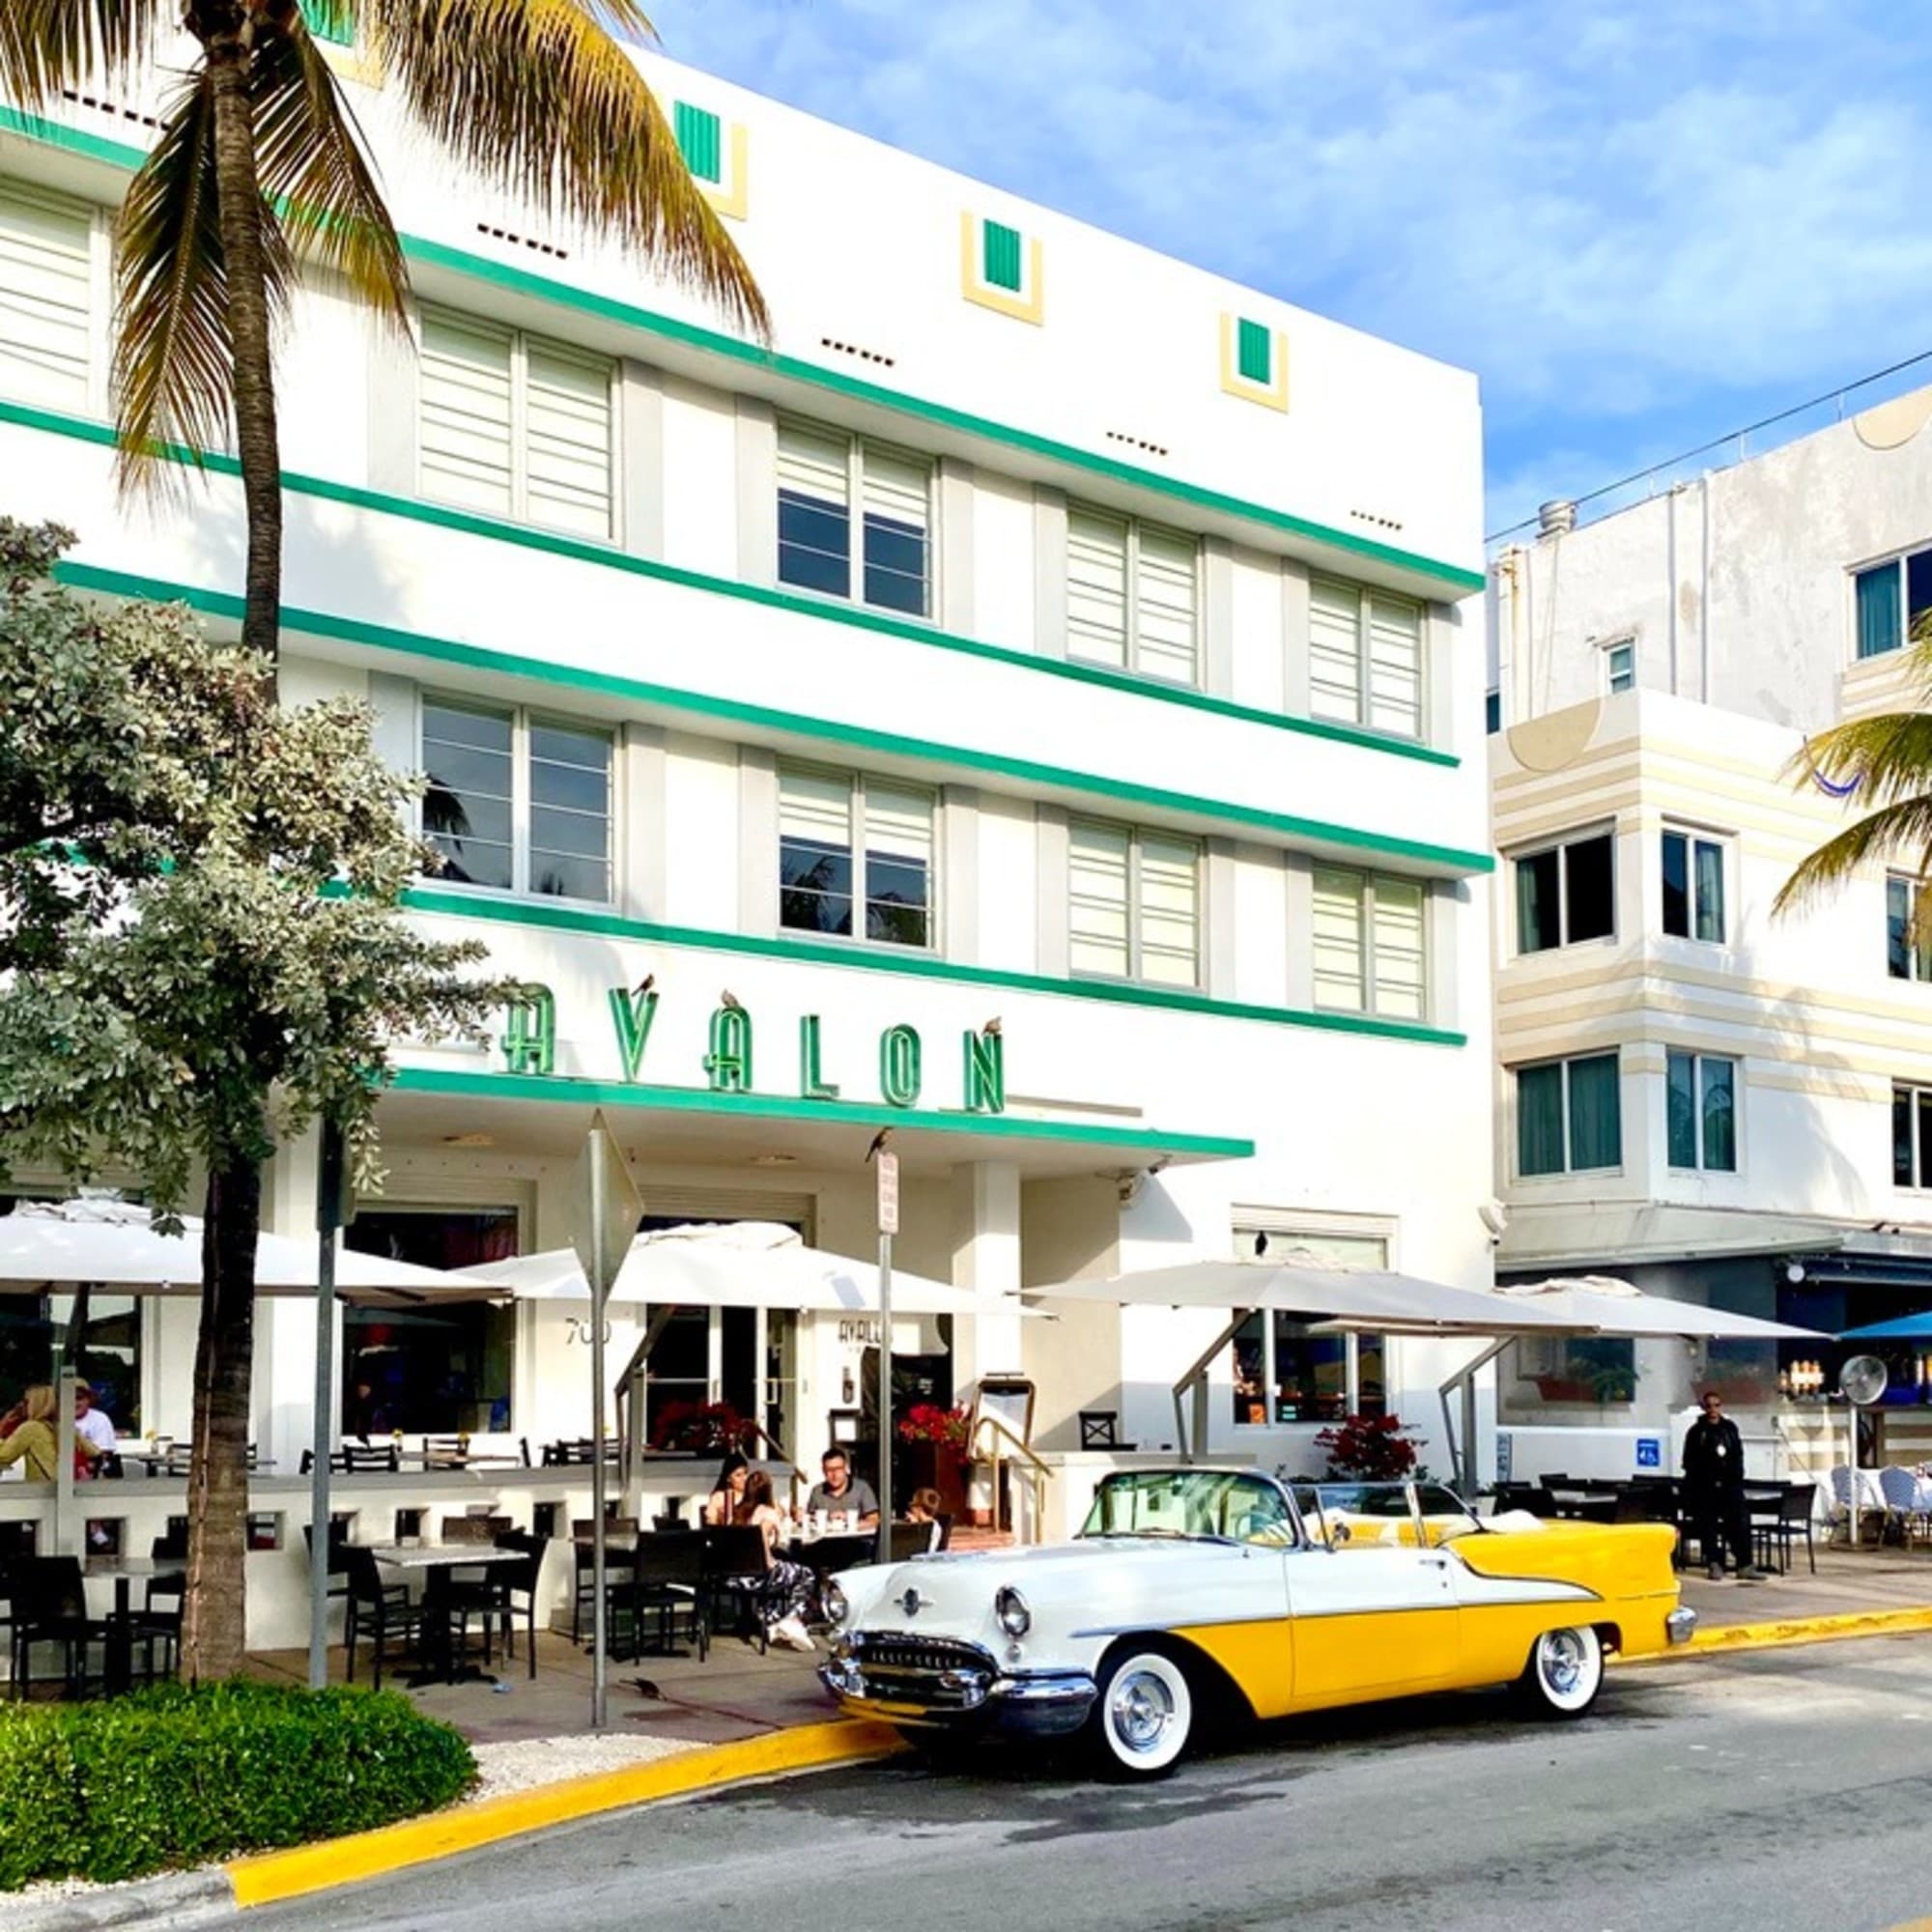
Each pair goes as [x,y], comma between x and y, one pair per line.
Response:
[1714,1483]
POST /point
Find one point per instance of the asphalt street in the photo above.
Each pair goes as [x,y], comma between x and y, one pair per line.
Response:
[1786,1788]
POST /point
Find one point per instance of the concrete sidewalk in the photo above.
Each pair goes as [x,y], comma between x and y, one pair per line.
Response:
[1848,1582]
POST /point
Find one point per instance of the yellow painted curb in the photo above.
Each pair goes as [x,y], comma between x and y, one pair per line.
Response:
[1778,1631]
[271,1876]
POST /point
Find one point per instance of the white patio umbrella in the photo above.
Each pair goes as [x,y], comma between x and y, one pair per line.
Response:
[115,1244]
[1609,1306]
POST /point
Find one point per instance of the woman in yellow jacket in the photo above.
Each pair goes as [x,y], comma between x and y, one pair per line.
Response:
[30,1435]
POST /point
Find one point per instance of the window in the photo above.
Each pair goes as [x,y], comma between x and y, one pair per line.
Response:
[1492,713]
[1284,1375]
[46,299]
[33,1327]
[1254,352]
[1620,666]
[1693,887]
[1365,658]
[430,1369]
[821,474]
[1369,951]
[331,21]
[1893,603]
[1701,1101]
[842,838]
[1000,256]
[515,426]
[1908,949]
[1564,895]
[1598,1368]
[1134,905]
[517,802]
[700,140]
[1132,596]
[1911,1136]
[1568,1116]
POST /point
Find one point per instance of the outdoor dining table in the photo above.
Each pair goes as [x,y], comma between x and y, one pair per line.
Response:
[117,1655]
[434,1562]
[833,1549]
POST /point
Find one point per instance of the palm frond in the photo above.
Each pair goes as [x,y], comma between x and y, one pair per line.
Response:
[1890,755]
[48,44]
[538,96]
[314,167]
[173,354]
[1901,831]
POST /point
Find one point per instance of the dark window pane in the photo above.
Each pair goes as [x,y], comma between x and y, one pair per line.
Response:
[1898,929]
[1923,1177]
[1901,1136]
[894,565]
[564,877]
[474,862]
[1311,1374]
[1879,615]
[814,544]
[1918,594]
[1681,1108]
[1586,868]
[814,886]
[1596,1113]
[1720,1120]
[467,772]
[1250,1372]
[1492,713]
[561,744]
[1539,1120]
[1710,885]
[1536,921]
[1677,884]
[459,724]
[1370,1376]
[582,834]
[896,925]
[896,881]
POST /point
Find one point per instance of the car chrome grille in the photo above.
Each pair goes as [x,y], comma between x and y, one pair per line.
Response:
[937,1673]
[933,1655]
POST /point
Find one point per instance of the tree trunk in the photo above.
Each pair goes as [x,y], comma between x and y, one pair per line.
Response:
[239,193]
[214,1606]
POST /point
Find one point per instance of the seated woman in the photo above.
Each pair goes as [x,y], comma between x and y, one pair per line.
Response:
[785,1587]
[29,1433]
[923,1507]
[728,1491]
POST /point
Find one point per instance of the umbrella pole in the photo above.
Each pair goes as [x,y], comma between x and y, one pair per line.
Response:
[886,1401]
[328,1219]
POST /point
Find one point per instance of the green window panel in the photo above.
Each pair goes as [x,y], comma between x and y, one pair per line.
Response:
[1254,353]
[702,139]
[333,20]
[1000,255]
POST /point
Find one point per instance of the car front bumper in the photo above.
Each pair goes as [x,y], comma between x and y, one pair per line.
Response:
[1681,1625]
[954,1686]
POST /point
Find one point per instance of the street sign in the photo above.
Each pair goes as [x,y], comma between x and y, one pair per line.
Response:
[888,1192]
[607,1207]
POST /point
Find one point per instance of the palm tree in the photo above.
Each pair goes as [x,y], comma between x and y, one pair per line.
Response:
[1885,763]
[258,171]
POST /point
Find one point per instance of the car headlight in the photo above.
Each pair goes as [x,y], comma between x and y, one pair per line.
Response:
[1010,1608]
[832,1601]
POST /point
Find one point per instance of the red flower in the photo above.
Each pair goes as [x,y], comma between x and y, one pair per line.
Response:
[928,1422]
[1369,1448]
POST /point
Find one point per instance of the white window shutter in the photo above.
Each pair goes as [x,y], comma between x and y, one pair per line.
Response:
[1098,860]
[1096,589]
[1335,651]
[1170,911]
[1400,982]
[1395,665]
[898,489]
[466,451]
[567,417]
[899,824]
[1338,935]
[1165,595]
[46,281]
[816,466]
[816,807]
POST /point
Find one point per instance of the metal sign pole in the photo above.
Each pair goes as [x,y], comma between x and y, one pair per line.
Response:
[888,1226]
[328,1221]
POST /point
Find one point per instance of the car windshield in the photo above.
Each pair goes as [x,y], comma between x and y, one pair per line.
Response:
[1215,1504]
[1341,1514]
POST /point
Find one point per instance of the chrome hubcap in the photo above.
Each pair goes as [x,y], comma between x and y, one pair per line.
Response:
[1563,1662]
[1142,1708]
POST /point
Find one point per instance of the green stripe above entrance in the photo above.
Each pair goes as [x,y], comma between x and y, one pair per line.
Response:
[958,1135]
[768,724]
[1449,580]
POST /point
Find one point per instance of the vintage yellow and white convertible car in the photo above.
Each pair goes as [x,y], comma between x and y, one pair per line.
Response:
[1197,1592]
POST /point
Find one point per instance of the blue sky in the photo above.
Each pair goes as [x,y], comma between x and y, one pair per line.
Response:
[1642,225]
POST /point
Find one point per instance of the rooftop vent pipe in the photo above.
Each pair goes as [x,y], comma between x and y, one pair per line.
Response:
[1556,519]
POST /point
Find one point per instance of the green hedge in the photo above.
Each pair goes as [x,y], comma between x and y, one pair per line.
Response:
[173,1776]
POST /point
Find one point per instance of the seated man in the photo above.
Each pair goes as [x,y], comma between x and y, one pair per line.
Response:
[91,1424]
[842,1491]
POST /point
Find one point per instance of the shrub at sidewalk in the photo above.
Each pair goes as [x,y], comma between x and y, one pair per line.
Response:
[177,1775]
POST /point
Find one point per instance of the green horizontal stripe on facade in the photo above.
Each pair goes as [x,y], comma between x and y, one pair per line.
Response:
[561,294]
[569,1090]
[1121,791]
[909,965]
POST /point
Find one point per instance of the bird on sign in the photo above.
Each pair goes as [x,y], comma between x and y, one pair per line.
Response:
[879,1141]
[730,1000]
[992,1029]
[646,985]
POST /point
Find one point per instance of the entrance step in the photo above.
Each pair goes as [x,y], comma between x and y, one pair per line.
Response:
[964,1538]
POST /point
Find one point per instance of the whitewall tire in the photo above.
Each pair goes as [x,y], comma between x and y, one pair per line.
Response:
[1143,1718]
[1564,1673]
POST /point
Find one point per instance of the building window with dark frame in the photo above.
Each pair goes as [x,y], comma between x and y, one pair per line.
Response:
[1911,1135]
[1893,603]
[1693,886]
[855,857]
[1284,1375]
[1908,947]
[1702,1107]
[1568,1116]
[1566,892]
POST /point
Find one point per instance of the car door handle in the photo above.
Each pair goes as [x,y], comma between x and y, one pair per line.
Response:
[1437,1562]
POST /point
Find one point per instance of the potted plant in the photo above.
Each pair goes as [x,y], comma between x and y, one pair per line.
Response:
[1369,1449]
[934,1455]
[703,1428]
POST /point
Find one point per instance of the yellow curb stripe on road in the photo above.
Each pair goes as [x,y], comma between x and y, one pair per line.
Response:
[271,1876]
[1776,1631]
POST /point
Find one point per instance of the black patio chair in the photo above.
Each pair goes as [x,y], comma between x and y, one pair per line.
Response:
[1780,1531]
[380,1613]
[913,1538]
[514,1589]
[49,1595]
[734,1564]
[339,1564]
[619,1533]
[1100,1429]
[664,1583]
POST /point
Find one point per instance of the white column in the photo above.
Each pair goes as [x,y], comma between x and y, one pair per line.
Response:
[986,1259]
[284,1392]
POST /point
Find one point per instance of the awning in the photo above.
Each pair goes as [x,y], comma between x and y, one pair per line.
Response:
[1601,1305]
[1617,1234]
[114,1244]
[1905,1328]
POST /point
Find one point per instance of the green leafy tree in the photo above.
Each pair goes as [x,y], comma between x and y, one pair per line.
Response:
[235,966]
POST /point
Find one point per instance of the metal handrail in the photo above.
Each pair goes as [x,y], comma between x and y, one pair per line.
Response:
[1039,1470]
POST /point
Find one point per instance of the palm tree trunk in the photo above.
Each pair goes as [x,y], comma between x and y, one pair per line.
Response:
[239,193]
[214,1606]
